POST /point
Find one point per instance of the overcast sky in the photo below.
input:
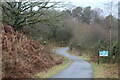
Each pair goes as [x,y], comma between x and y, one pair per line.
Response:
[92,3]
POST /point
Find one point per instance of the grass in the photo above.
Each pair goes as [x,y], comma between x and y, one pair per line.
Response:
[105,70]
[111,70]
[54,70]
[98,70]
[74,53]
[102,70]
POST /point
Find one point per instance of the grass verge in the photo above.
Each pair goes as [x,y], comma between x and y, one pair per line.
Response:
[54,70]
[75,53]
[98,70]
[102,70]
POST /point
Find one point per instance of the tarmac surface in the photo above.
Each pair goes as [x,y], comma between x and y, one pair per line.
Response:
[79,68]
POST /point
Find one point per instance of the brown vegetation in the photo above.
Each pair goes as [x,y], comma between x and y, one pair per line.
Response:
[23,57]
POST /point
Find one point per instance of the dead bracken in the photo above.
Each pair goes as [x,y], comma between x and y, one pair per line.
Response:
[23,57]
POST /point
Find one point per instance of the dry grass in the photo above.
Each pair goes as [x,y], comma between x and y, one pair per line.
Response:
[111,70]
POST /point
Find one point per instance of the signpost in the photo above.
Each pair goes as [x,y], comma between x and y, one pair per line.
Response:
[104,53]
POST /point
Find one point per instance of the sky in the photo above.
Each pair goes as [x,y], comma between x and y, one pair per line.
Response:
[94,4]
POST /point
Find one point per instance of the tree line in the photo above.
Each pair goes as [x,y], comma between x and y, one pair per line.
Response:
[82,27]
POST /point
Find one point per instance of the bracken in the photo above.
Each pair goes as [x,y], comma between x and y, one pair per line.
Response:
[23,57]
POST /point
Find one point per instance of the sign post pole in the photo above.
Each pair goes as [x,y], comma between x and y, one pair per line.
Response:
[98,57]
[102,53]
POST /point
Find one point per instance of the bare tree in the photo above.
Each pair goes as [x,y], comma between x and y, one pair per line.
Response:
[110,6]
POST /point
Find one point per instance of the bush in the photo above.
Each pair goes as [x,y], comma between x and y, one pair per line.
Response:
[113,50]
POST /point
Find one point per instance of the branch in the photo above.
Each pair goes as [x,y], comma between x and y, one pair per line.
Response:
[31,5]
[7,13]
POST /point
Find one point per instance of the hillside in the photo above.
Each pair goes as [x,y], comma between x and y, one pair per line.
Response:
[23,57]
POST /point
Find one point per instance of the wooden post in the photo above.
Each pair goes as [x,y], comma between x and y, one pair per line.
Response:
[110,30]
[98,58]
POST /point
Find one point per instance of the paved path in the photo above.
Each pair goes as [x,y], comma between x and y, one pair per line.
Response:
[78,69]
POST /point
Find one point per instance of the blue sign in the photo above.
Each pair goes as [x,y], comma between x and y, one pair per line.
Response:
[103,53]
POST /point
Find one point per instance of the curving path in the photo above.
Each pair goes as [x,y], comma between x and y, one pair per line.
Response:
[78,69]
